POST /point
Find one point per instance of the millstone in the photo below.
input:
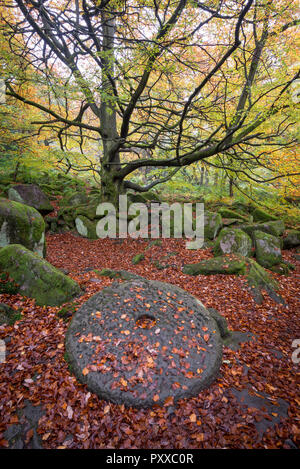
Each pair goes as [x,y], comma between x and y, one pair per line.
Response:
[142,342]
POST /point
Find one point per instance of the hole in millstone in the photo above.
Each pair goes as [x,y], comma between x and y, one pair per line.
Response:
[146,321]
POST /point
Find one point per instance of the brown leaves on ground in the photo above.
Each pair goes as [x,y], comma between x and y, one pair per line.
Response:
[35,368]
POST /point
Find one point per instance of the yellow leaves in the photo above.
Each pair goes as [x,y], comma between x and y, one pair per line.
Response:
[150,362]
[123,382]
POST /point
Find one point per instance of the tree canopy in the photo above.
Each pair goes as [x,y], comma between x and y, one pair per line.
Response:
[159,83]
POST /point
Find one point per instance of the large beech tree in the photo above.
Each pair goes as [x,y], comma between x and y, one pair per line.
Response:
[159,83]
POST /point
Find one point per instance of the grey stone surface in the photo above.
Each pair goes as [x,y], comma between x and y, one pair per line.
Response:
[177,355]
[267,249]
[212,224]
[32,195]
[231,240]
[16,434]
[291,239]
[273,411]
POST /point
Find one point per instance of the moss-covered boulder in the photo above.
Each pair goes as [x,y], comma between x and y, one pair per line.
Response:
[89,211]
[228,213]
[228,264]
[291,239]
[212,224]
[275,228]
[242,207]
[230,221]
[21,224]
[232,240]
[37,278]
[75,198]
[267,249]
[66,217]
[262,216]
[258,279]
[281,269]
[32,195]
[86,227]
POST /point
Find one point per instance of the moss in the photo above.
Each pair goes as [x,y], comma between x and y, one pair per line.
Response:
[258,280]
[123,274]
[267,249]
[8,315]
[241,207]
[21,224]
[232,240]
[151,196]
[137,198]
[291,239]
[275,228]
[89,211]
[7,285]
[164,259]
[221,323]
[36,277]
[50,189]
[155,242]
[262,216]
[106,272]
[66,311]
[209,244]
[227,213]
[227,264]
[281,269]
[138,258]
[212,224]
[75,198]
[86,227]
[68,362]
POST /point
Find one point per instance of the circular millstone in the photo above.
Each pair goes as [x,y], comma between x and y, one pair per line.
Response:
[142,342]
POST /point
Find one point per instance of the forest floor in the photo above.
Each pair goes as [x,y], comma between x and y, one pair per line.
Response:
[254,403]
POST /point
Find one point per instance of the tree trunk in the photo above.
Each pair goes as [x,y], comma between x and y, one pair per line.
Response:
[230,187]
[206,177]
[216,178]
[110,161]
[16,171]
[202,176]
